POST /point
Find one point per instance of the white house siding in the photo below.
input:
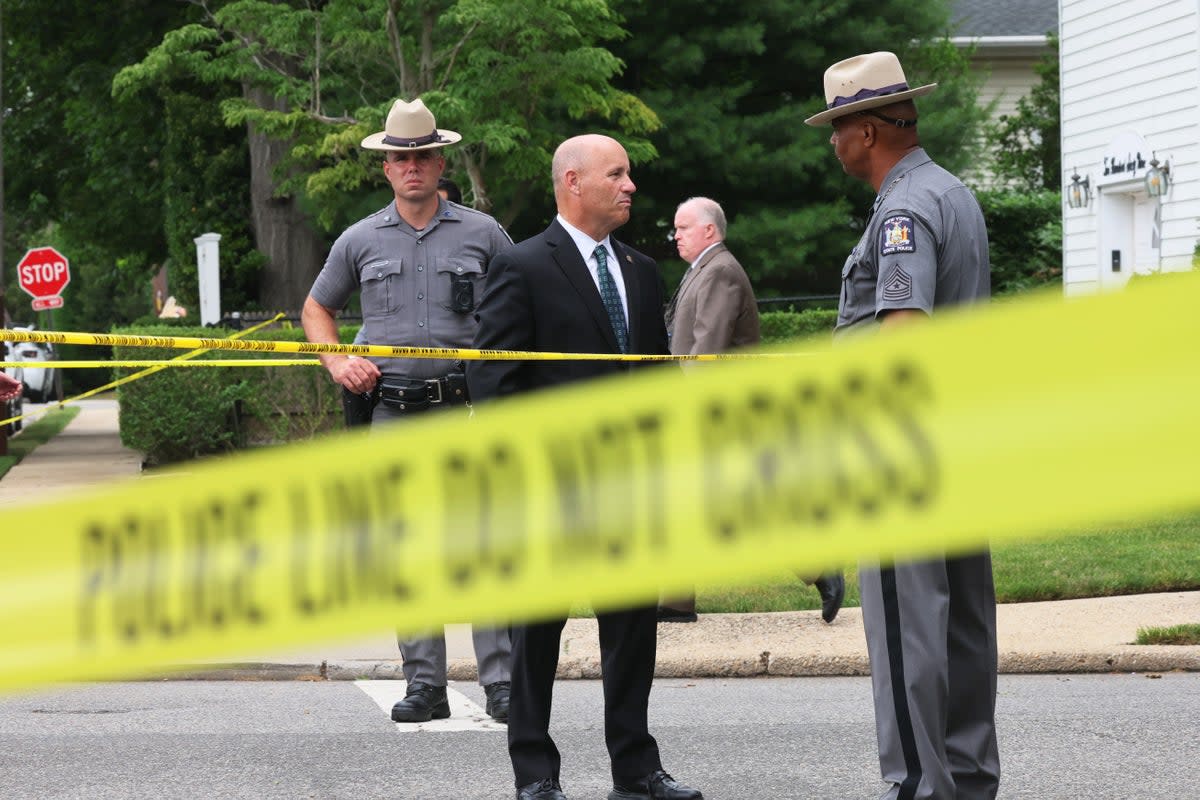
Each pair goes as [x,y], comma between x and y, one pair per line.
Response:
[1006,39]
[1009,79]
[1007,62]
[1129,69]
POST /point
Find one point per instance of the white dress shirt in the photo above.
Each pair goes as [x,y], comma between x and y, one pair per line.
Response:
[587,249]
[703,252]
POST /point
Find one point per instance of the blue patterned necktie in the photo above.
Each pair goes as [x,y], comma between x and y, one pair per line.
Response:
[612,300]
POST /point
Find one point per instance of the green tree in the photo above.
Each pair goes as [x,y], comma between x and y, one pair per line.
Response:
[512,76]
[206,187]
[1027,145]
[733,82]
[120,185]
[81,171]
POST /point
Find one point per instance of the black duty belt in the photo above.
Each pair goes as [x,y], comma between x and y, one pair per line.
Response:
[410,396]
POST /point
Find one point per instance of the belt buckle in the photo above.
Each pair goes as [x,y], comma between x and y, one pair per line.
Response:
[438,385]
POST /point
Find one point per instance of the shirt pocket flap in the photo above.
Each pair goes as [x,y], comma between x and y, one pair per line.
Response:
[851,261]
[380,270]
[462,266]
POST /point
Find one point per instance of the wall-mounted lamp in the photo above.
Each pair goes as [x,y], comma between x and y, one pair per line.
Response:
[1079,192]
[1158,179]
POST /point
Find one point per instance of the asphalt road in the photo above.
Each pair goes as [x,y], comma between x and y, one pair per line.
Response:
[1068,737]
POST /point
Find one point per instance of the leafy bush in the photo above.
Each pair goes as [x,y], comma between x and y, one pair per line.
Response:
[782,326]
[181,413]
[1025,238]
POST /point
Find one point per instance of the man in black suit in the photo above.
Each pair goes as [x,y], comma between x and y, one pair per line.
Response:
[573,288]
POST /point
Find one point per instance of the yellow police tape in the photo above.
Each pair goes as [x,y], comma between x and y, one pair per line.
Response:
[178,360]
[1031,417]
[164,362]
[310,348]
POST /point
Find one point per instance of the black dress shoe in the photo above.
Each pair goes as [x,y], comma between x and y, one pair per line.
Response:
[668,614]
[497,700]
[833,591]
[657,785]
[422,703]
[545,789]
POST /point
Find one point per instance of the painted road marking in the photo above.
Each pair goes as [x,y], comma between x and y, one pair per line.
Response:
[464,714]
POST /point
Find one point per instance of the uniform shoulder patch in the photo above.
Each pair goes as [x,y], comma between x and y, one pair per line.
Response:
[898,235]
[898,286]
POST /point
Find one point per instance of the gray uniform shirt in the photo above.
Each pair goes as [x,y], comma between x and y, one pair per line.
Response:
[924,246]
[409,280]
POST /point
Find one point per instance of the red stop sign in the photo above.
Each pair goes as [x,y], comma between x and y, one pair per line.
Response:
[43,272]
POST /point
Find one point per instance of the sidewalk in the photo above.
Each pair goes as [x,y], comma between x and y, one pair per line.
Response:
[87,453]
[1091,635]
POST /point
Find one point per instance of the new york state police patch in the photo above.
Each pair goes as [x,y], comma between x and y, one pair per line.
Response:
[898,235]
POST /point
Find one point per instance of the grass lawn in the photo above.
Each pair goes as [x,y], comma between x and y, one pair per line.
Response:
[36,433]
[1159,556]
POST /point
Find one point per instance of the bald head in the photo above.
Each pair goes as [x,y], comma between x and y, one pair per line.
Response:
[592,187]
[570,155]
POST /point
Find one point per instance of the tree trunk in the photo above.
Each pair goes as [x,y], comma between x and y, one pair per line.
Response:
[283,233]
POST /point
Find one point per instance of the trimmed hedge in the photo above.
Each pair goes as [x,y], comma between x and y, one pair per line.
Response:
[782,326]
[178,414]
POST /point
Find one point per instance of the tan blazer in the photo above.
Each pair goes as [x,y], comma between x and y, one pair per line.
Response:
[713,310]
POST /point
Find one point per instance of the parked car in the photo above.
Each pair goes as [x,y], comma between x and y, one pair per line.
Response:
[42,384]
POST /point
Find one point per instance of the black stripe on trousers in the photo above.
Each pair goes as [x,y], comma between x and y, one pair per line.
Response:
[895,650]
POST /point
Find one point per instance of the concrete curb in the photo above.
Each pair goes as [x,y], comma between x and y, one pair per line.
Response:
[1156,659]
[1060,636]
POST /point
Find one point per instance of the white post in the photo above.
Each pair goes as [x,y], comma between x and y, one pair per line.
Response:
[208,260]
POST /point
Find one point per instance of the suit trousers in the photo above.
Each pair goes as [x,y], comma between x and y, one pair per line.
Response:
[628,640]
[931,638]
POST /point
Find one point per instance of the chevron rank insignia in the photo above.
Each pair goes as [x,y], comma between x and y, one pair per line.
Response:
[898,286]
[897,236]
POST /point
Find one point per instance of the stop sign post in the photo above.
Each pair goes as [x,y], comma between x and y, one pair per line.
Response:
[43,272]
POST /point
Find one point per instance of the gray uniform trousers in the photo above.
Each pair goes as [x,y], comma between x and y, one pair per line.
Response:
[425,656]
[931,637]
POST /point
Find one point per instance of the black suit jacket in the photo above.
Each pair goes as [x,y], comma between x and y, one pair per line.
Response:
[540,296]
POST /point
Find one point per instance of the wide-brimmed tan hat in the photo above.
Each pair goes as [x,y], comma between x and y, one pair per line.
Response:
[862,82]
[410,126]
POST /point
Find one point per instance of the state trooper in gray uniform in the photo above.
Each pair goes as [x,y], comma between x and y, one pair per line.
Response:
[931,625]
[419,264]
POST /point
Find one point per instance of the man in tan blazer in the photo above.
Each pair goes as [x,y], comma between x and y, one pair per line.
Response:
[714,308]
[713,311]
